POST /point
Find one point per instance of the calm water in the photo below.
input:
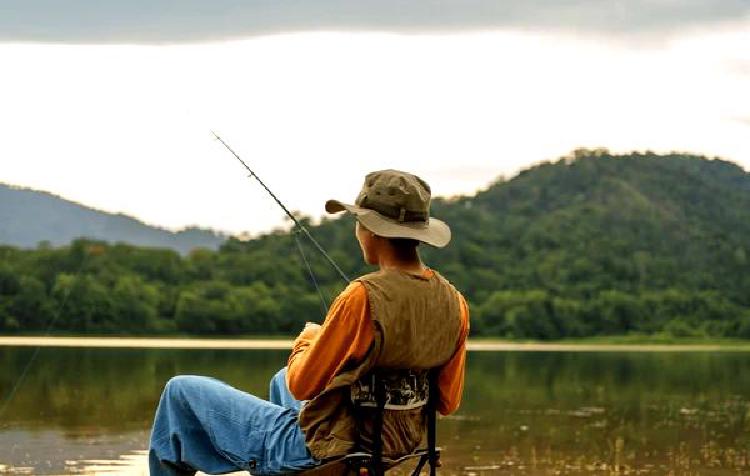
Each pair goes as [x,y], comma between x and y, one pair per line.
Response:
[89,410]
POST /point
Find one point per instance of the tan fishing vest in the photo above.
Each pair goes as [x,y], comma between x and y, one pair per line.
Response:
[417,326]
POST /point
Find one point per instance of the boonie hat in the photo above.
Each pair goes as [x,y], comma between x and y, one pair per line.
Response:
[396,204]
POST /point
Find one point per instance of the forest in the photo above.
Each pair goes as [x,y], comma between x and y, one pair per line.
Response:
[591,244]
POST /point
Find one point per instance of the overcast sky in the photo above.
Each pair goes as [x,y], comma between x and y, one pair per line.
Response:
[110,103]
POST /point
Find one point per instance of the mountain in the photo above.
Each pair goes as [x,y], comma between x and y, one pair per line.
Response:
[28,217]
[636,221]
[591,244]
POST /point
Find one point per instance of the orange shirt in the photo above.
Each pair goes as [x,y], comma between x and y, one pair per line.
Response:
[320,352]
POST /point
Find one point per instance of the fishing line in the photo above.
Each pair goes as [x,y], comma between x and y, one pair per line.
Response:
[310,272]
[48,329]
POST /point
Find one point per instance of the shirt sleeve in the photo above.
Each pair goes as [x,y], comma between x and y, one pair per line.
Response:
[318,354]
[451,376]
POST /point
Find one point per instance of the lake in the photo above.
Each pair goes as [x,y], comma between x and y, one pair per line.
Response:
[88,410]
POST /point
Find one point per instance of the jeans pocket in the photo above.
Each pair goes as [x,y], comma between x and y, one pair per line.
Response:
[237,441]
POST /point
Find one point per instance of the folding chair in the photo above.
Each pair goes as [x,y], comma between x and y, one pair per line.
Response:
[373,463]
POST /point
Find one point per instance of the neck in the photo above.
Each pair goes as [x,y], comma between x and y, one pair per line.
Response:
[389,261]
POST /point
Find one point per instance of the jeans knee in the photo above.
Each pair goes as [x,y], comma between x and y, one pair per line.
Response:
[280,375]
[181,385]
[278,381]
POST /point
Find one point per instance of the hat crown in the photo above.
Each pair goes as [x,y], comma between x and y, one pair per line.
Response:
[395,194]
[396,204]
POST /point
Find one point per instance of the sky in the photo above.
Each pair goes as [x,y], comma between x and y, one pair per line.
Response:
[111,103]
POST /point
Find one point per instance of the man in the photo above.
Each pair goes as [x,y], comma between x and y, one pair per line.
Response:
[403,319]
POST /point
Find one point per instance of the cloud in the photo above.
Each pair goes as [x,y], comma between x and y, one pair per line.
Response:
[185,21]
[739,67]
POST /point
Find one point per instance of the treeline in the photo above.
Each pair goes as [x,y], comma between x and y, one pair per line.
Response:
[96,288]
[592,244]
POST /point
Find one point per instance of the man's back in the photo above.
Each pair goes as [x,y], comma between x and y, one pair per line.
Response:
[405,321]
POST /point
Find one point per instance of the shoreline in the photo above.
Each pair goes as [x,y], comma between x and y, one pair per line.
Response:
[474,345]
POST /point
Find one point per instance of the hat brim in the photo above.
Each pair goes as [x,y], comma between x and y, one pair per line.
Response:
[435,232]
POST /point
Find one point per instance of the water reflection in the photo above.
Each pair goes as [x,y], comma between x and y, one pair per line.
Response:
[88,411]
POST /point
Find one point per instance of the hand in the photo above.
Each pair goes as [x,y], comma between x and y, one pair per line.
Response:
[311,330]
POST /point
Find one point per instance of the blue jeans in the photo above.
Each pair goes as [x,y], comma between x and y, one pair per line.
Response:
[204,424]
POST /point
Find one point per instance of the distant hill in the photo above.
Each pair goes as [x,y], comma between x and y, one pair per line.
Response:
[597,220]
[28,217]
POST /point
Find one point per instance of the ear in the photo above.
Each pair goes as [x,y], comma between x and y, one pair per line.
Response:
[369,233]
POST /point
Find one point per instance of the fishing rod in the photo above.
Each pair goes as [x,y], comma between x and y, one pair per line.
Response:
[296,222]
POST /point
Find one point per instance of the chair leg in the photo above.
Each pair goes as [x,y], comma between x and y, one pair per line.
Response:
[378,427]
[432,423]
[420,465]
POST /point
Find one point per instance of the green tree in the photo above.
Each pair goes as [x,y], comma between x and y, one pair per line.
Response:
[31,307]
[135,305]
